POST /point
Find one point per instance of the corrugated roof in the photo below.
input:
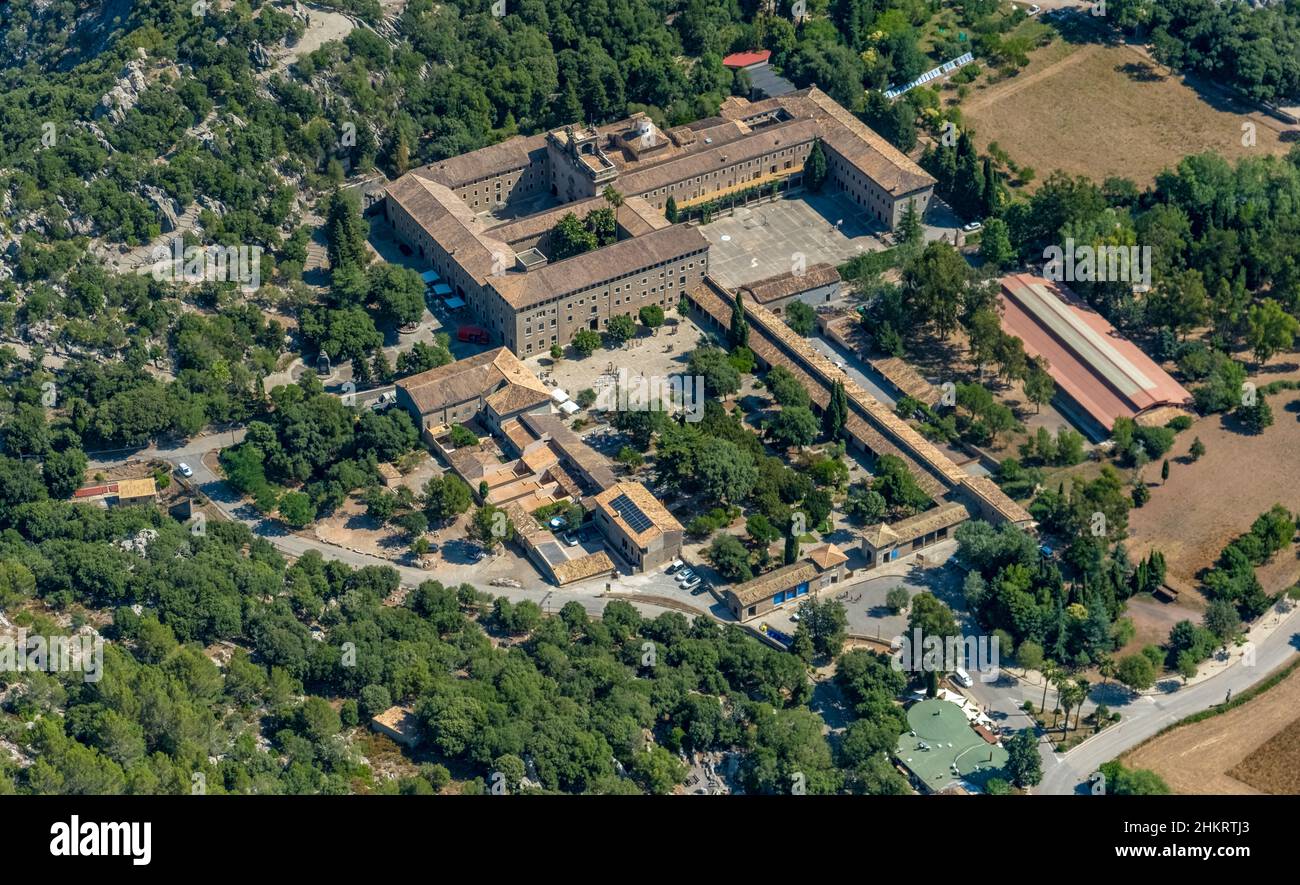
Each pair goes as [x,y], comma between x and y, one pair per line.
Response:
[1105,373]
[745,59]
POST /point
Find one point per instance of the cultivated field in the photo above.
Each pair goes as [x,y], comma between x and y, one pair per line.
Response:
[1252,749]
[1108,110]
[1205,505]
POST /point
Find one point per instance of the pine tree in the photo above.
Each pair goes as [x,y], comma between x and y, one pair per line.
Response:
[992,198]
[344,232]
[909,225]
[670,211]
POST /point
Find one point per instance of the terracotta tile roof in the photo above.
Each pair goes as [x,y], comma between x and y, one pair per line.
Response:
[452,225]
[790,283]
[571,447]
[944,516]
[504,156]
[599,266]
[660,520]
[827,556]
[480,376]
[774,582]
[583,567]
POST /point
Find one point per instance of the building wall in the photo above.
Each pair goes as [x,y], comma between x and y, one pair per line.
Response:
[902,548]
[816,585]
[783,161]
[877,203]
[457,413]
[554,321]
[509,185]
[812,298]
[661,549]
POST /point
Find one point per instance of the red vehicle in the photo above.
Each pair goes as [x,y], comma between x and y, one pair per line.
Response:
[474,334]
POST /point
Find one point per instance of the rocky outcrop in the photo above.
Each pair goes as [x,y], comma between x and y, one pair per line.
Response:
[168,210]
[125,95]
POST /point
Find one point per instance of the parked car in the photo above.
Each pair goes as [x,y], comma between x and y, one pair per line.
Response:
[474,334]
[685,575]
[972,226]
[962,678]
[701,588]
[692,584]
[184,470]
[1034,10]
[570,539]
[674,566]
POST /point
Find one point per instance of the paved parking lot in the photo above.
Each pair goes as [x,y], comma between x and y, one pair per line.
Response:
[762,240]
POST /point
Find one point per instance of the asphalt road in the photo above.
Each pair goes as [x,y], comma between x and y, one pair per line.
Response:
[1067,773]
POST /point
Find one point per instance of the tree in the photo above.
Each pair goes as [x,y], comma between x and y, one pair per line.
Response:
[651,316]
[621,328]
[815,167]
[1029,655]
[1187,664]
[398,291]
[790,555]
[1256,416]
[444,497]
[670,210]
[571,237]
[739,325]
[345,232]
[720,376]
[836,414]
[761,531]
[897,599]
[794,426]
[800,318]
[995,244]
[586,341]
[1023,762]
[1222,619]
[730,558]
[935,282]
[1269,330]
[1039,386]
[910,231]
[64,472]
[297,509]
[491,526]
[1136,672]
[786,389]
[1197,449]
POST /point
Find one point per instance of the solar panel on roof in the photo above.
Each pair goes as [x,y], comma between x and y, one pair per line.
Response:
[632,515]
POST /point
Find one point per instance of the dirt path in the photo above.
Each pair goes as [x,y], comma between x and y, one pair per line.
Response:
[1011,86]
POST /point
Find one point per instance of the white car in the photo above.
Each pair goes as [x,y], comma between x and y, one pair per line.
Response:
[674,566]
[184,470]
[685,575]
[962,678]
[972,227]
[691,584]
[1034,10]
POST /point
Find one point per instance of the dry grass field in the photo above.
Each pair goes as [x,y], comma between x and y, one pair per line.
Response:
[1108,110]
[1252,749]
[1204,505]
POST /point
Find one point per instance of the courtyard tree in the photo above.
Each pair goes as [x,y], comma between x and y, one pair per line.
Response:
[651,316]
[739,328]
[621,328]
[815,167]
[1023,762]
[585,342]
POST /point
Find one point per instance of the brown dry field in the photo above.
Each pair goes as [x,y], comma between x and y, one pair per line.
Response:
[1203,506]
[1257,740]
[1108,110]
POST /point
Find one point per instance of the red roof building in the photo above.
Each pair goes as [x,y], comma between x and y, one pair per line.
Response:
[747,59]
[1102,373]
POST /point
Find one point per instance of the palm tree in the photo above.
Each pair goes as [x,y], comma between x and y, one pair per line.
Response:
[612,196]
[1049,673]
[1084,685]
[1107,670]
[1069,693]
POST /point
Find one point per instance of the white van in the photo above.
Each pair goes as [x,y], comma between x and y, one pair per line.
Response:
[962,678]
